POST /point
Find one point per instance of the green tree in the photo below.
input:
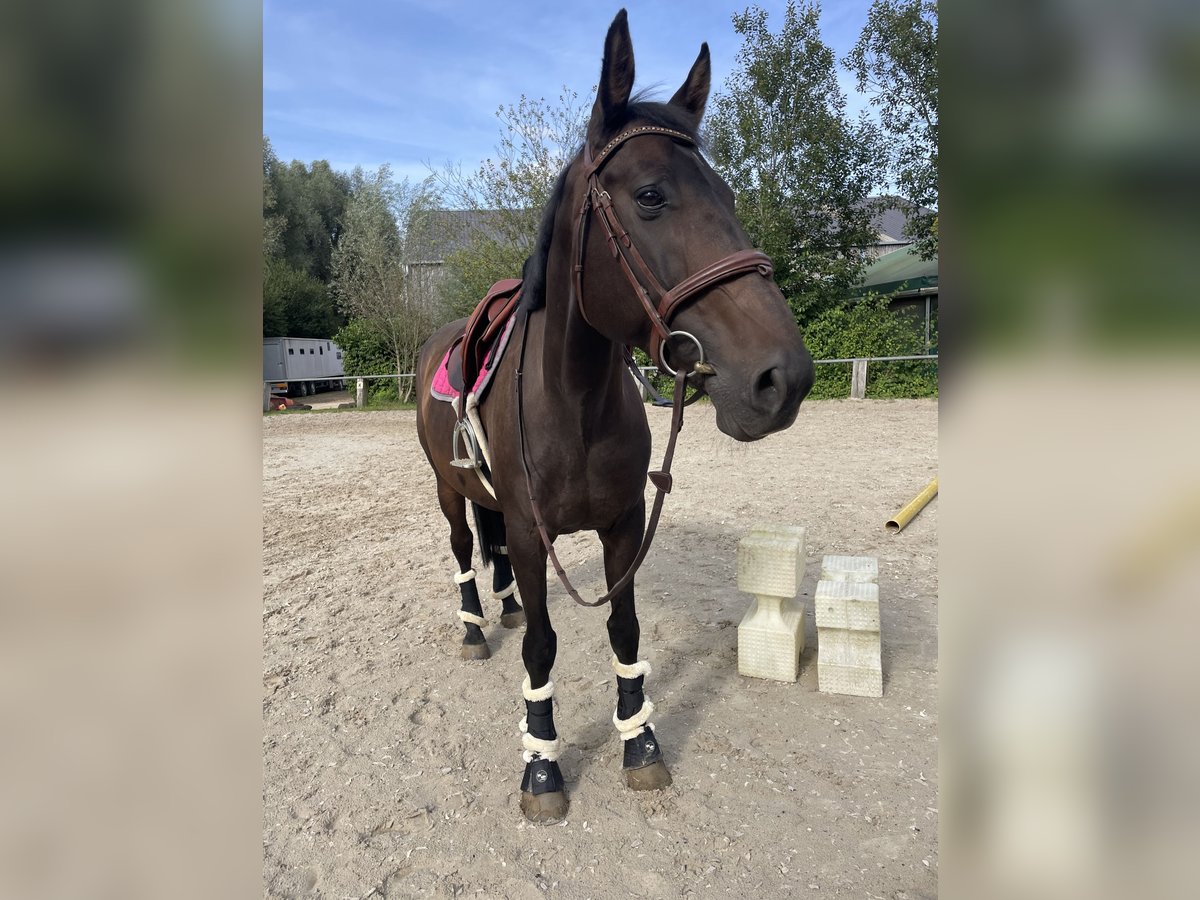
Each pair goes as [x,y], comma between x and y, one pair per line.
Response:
[295,304]
[800,168]
[896,64]
[312,201]
[366,352]
[303,208]
[373,280]
[506,194]
[273,222]
[864,328]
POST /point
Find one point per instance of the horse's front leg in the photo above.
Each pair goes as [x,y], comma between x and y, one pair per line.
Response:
[543,793]
[643,762]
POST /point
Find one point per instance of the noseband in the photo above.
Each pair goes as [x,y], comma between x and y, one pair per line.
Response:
[659,303]
[597,200]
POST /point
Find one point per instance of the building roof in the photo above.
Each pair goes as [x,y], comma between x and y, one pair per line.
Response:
[442,231]
[892,220]
[901,272]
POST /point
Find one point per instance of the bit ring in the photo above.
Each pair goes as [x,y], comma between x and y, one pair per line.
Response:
[663,351]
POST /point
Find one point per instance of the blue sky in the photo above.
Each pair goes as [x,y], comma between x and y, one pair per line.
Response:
[415,83]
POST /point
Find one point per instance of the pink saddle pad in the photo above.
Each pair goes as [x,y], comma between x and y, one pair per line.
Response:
[444,390]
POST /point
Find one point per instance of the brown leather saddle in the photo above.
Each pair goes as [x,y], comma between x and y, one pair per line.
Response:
[470,349]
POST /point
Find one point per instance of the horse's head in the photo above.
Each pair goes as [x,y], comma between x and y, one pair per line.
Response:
[684,241]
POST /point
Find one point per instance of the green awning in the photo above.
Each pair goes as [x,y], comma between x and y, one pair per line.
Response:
[901,271]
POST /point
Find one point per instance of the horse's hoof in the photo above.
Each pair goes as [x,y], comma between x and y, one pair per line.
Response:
[544,809]
[513,619]
[476,651]
[653,777]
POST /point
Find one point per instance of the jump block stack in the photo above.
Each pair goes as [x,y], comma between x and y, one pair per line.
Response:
[847,612]
[771,634]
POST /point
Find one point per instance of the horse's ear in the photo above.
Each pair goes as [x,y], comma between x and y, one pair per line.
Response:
[616,80]
[694,94]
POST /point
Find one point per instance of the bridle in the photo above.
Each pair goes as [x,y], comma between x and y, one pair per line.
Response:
[597,201]
[643,281]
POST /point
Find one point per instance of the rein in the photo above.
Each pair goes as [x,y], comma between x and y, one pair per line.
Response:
[597,201]
[661,480]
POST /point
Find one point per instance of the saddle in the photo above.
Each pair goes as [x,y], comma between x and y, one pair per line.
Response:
[470,350]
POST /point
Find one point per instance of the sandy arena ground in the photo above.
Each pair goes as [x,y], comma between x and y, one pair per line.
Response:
[392,768]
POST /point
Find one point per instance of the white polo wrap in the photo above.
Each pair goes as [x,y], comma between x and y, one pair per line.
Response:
[635,724]
[547,750]
[506,593]
[641,667]
[464,577]
[545,692]
[471,618]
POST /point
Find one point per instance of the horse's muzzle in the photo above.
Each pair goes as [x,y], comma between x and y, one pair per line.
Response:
[771,400]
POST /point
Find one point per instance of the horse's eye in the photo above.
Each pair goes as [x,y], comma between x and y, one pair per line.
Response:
[651,198]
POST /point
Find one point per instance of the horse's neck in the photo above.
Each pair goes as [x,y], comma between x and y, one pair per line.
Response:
[578,364]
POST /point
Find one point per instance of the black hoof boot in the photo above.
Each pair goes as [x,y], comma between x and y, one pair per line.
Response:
[543,795]
[643,763]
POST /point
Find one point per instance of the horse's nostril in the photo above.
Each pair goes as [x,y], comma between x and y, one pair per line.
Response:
[770,389]
[766,382]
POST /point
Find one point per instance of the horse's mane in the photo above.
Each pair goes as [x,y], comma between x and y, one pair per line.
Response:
[533,293]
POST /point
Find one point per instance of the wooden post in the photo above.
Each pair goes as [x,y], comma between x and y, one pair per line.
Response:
[927,323]
[858,380]
[360,393]
[266,397]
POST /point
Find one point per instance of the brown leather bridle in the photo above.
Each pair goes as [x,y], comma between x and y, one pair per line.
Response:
[643,281]
[742,262]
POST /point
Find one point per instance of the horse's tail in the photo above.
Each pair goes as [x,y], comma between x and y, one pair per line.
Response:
[489,527]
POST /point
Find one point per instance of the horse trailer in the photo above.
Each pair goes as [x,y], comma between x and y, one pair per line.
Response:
[302,365]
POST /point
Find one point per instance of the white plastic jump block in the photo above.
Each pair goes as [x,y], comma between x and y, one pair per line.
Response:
[849,568]
[771,633]
[848,649]
[771,561]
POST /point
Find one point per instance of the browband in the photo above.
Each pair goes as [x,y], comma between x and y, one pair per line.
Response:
[594,165]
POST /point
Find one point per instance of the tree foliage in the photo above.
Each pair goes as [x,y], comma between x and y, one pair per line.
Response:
[366,352]
[373,280]
[865,328]
[273,222]
[303,208]
[801,169]
[310,201]
[507,193]
[295,304]
[895,63]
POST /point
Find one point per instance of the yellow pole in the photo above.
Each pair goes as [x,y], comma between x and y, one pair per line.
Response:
[902,518]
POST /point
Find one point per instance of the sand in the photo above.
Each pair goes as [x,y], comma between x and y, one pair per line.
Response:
[392,768]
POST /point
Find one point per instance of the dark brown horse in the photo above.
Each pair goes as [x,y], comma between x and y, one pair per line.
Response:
[638,208]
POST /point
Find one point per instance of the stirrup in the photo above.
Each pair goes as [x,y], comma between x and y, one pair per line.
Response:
[471,461]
